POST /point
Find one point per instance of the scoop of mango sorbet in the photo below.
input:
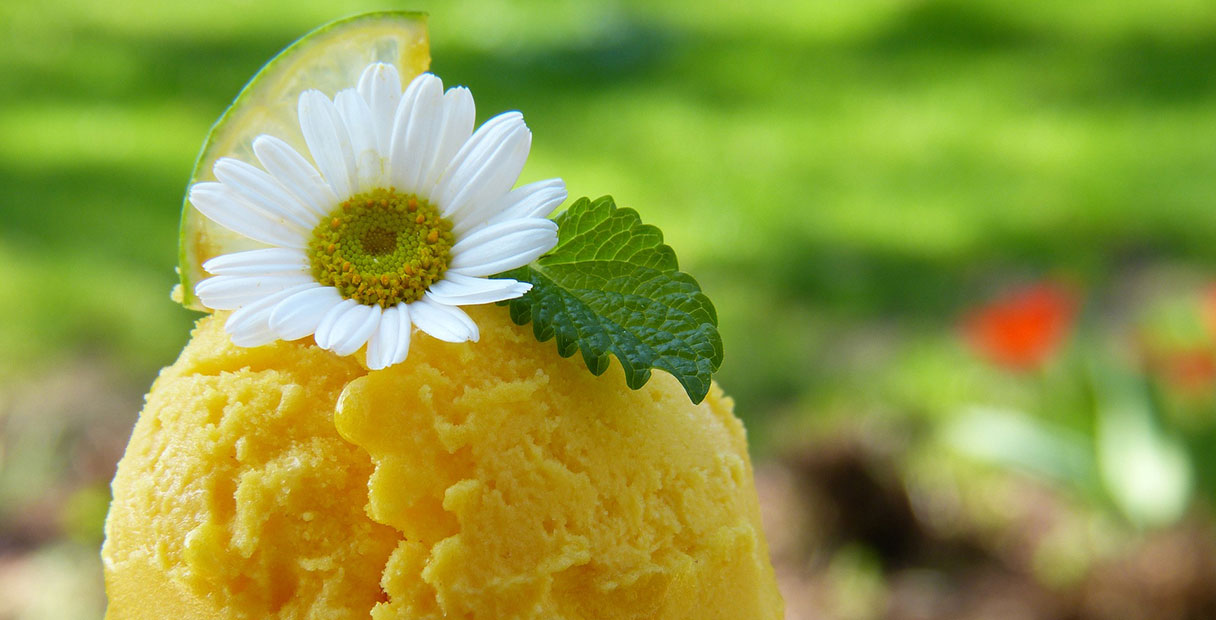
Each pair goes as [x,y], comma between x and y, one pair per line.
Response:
[490,480]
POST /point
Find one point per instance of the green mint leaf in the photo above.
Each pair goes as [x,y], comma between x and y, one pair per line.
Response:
[611,286]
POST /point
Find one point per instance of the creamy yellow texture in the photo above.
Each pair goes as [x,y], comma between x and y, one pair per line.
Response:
[490,480]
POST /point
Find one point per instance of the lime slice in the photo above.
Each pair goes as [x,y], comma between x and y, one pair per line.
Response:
[329,59]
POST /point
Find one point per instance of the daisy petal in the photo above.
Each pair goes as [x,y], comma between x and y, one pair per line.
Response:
[415,131]
[359,327]
[405,327]
[456,125]
[373,356]
[388,346]
[295,174]
[258,262]
[491,235]
[460,290]
[250,325]
[376,356]
[326,326]
[507,245]
[222,205]
[263,191]
[484,168]
[446,323]
[328,140]
[350,328]
[299,315]
[380,86]
[537,199]
[252,335]
[358,119]
[229,292]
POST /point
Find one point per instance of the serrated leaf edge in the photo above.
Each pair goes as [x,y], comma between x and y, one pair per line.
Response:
[522,309]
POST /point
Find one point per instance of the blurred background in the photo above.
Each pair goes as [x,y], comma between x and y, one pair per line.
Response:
[963,253]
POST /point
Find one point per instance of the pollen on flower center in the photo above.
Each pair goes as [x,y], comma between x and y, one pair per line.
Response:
[381,248]
[379,241]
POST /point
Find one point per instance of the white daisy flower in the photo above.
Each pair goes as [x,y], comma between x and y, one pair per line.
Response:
[404,215]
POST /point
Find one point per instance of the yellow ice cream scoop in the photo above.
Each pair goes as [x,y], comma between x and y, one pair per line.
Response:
[486,480]
[366,435]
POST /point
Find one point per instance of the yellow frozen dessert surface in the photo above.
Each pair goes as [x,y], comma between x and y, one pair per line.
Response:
[490,480]
[236,497]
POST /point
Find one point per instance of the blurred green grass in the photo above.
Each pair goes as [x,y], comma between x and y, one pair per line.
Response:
[821,167]
[844,178]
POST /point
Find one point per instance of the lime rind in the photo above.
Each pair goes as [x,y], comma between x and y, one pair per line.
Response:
[328,59]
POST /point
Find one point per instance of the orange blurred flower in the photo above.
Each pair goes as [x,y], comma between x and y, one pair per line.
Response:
[1189,371]
[1186,366]
[1023,328]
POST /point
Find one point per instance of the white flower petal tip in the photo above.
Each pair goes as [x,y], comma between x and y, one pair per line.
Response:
[483,169]
[391,343]
[537,199]
[231,292]
[223,205]
[249,326]
[258,262]
[504,246]
[462,290]
[443,322]
[381,136]
[299,315]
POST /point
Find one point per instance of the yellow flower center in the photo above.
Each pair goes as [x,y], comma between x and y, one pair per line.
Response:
[381,248]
